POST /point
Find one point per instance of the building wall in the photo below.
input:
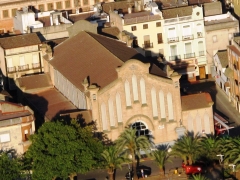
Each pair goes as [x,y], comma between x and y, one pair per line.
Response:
[85,5]
[114,109]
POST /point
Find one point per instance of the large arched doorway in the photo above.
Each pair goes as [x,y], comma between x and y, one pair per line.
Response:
[141,128]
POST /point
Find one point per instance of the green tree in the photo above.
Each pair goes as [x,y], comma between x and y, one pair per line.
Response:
[187,147]
[62,150]
[10,167]
[130,144]
[113,160]
[199,177]
[161,156]
[211,146]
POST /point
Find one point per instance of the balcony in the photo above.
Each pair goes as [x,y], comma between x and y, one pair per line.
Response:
[23,68]
[174,58]
[147,45]
[201,53]
[11,69]
[189,55]
[188,37]
[173,39]
[35,65]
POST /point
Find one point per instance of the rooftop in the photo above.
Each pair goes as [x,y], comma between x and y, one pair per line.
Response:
[234,49]
[223,57]
[196,101]
[177,12]
[19,41]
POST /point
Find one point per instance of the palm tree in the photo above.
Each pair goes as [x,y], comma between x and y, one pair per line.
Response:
[199,177]
[210,146]
[187,147]
[161,156]
[112,160]
[130,144]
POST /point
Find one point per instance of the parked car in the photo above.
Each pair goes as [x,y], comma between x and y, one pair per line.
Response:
[147,173]
[196,168]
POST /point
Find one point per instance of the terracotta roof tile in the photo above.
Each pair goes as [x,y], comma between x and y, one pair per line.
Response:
[50,103]
[177,12]
[196,101]
[196,2]
[120,5]
[89,55]
[19,41]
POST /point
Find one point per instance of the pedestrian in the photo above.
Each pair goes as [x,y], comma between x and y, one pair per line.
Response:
[142,172]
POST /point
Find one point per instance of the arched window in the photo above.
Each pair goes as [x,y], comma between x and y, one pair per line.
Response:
[127,93]
[206,124]
[170,106]
[199,123]
[190,123]
[141,128]
[162,105]
[135,88]
[143,91]
[154,102]
[111,112]
[119,107]
[104,117]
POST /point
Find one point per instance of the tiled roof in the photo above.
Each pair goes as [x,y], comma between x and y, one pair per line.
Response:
[234,49]
[120,5]
[196,101]
[110,31]
[82,16]
[196,2]
[177,12]
[19,41]
[223,57]
[34,82]
[49,103]
[91,55]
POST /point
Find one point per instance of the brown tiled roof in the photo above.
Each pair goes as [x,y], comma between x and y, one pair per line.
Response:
[196,101]
[110,31]
[19,41]
[50,103]
[223,57]
[137,14]
[120,5]
[196,2]
[177,12]
[234,49]
[82,16]
[91,55]
[34,82]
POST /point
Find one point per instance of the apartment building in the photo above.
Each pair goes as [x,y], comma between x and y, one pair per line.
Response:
[17,123]
[219,31]
[8,9]
[122,89]
[19,56]
[184,41]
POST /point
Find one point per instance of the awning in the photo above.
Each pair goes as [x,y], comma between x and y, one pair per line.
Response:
[216,119]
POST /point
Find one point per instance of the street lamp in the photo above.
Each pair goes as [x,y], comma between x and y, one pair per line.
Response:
[221,163]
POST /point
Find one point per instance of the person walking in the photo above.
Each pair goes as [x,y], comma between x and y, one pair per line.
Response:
[142,172]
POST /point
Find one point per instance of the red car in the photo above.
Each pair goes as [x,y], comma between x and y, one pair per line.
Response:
[192,169]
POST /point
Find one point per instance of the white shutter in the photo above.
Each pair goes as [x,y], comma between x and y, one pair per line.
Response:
[143,91]
[154,102]
[127,94]
[35,58]
[135,88]
[170,106]
[171,33]
[111,112]
[162,105]
[119,107]
[9,62]
[21,61]
[4,137]
[104,117]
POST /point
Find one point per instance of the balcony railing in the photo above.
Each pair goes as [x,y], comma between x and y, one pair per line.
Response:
[201,53]
[174,58]
[11,69]
[147,45]
[23,67]
[188,37]
[173,39]
[189,55]
[35,65]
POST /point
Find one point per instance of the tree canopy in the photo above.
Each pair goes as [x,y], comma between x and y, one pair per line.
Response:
[62,150]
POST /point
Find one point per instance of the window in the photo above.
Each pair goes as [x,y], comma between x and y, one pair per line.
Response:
[172,32]
[186,30]
[145,26]
[67,4]
[49,6]
[4,137]
[104,117]
[170,106]
[5,14]
[119,107]
[85,2]
[141,129]
[162,104]
[214,38]
[59,5]
[147,41]
[127,94]
[159,37]
[143,91]
[111,113]
[41,7]
[94,97]
[154,102]
[14,12]
[135,88]
[173,50]
[158,24]
[134,28]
